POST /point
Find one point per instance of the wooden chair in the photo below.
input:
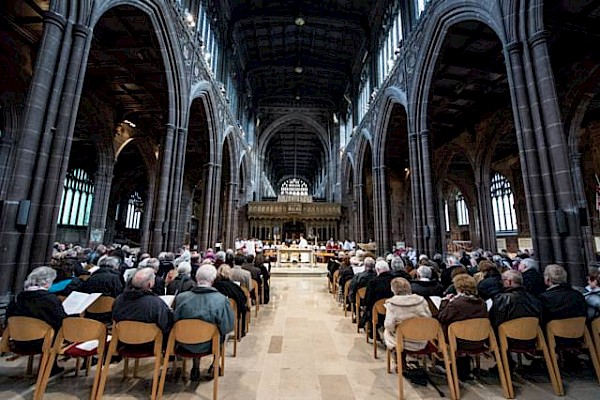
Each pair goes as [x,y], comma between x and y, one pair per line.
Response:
[360,295]
[133,333]
[422,329]
[76,330]
[595,326]
[249,311]
[336,277]
[257,295]
[378,309]
[26,329]
[236,325]
[524,329]
[101,309]
[193,331]
[346,292]
[475,330]
[571,328]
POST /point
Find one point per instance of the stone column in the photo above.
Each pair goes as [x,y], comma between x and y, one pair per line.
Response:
[359,225]
[102,188]
[231,215]
[487,231]
[46,83]
[382,224]
[431,228]
[175,223]
[208,190]
[159,222]
[149,210]
[586,230]
[415,176]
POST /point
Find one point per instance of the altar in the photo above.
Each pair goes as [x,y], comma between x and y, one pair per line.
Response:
[295,255]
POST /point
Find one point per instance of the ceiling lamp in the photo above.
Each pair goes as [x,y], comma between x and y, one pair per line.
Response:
[299,21]
[298,69]
[297,97]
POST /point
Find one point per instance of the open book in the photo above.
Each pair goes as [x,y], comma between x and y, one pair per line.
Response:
[91,344]
[168,299]
[437,300]
[78,302]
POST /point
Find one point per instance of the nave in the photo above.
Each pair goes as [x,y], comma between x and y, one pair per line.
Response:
[300,347]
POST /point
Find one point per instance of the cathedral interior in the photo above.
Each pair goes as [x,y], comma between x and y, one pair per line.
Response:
[441,125]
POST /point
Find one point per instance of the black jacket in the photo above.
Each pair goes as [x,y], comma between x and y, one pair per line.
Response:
[181,283]
[533,282]
[378,288]
[159,286]
[427,288]
[141,306]
[106,281]
[562,301]
[359,281]
[38,304]
[446,277]
[232,290]
[513,303]
[490,287]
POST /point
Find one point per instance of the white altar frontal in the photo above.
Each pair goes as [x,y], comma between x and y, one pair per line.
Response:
[295,257]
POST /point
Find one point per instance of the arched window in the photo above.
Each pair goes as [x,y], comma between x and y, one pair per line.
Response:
[135,208]
[462,212]
[294,187]
[503,204]
[77,197]
[447,215]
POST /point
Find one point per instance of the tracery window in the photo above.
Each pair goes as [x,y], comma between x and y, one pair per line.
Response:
[503,204]
[294,187]
[135,209]
[462,212]
[77,198]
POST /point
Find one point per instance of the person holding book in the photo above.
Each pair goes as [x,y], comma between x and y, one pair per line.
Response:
[36,302]
[139,303]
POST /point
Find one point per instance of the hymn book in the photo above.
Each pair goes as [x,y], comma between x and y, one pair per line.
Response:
[78,302]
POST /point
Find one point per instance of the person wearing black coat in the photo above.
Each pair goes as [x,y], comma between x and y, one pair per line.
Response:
[560,300]
[106,279]
[378,288]
[424,285]
[533,281]
[183,281]
[228,288]
[514,301]
[491,285]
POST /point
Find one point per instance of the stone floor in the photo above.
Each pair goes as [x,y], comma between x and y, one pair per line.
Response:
[300,347]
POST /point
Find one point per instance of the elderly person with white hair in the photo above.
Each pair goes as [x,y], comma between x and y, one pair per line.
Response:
[378,288]
[183,281]
[425,285]
[107,279]
[560,300]
[533,281]
[204,302]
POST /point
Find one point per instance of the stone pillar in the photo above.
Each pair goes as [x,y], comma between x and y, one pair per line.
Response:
[49,196]
[359,225]
[382,226]
[431,226]
[102,189]
[415,176]
[33,143]
[586,229]
[175,223]
[486,228]
[554,162]
[231,215]
[159,222]
[208,194]
[148,214]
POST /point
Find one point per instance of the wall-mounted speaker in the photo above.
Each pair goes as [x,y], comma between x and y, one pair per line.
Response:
[23,213]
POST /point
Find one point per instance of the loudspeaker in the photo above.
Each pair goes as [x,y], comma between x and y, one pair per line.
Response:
[23,213]
[561,222]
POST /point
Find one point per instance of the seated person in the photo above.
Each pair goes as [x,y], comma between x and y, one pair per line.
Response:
[360,280]
[204,302]
[424,285]
[491,284]
[139,303]
[106,279]
[378,288]
[592,295]
[560,300]
[404,305]
[66,281]
[159,282]
[533,281]
[182,281]
[466,304]
[36,302]
[514,301]
[241,275]
[227,287]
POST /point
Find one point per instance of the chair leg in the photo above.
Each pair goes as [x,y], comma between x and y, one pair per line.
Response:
[593,355]
[163,374]
[104,373]
[553,359]
[157,363]
[509,384]
[455,373]
[136,365]
[501,372]
[400,374]
[222,357]
[29,371]
[216,374]
[387,357]
[549,365]
[77,365]
[449,371]
[125,368]
[97,375]
[43,375]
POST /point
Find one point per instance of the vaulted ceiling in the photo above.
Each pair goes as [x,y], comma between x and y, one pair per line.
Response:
[299,56]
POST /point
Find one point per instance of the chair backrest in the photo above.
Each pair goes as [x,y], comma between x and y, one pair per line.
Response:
[255,286]
[525,328]
[567,328]
[379,307]
[422,329]
[103,304]
[360,293]
[25,329]
[336,276]
[247,293]
[233,305]
[193,331]
[76,329]
[346,288]
[475,329]
[133,332]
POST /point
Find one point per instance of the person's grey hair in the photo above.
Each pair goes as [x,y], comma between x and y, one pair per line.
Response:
[515,276]
[186,256]
[40,276]
[229,251]
[142,278]
[221,255]
[162,255]
[397,264]
[112,262]
[206,275]
[555,274]
[354,261]
[153,263]
[424,272]
[360,254]
[178,261]
[143,263]
[527,264]
[184,268]
[381,266]
[369,263]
